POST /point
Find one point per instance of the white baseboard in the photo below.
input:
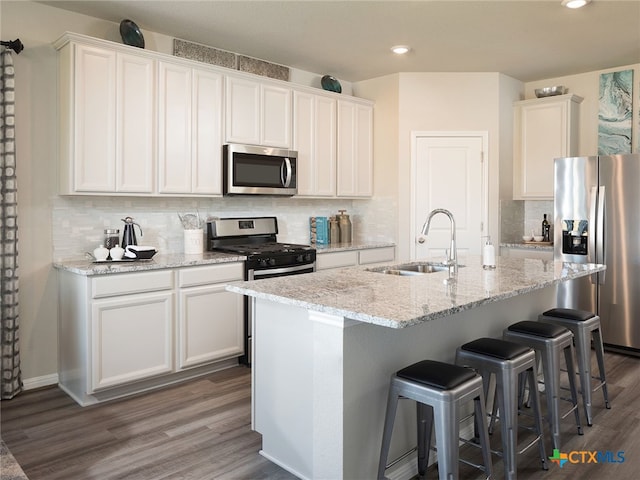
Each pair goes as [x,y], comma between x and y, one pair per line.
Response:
[38,382]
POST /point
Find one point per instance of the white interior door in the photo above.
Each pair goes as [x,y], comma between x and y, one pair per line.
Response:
[449,172]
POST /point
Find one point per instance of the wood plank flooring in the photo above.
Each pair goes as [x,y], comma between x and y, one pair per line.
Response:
[201,430]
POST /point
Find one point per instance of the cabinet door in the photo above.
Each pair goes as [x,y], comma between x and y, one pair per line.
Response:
[355,150]
[210,326]
[314,138]
[207,133]
[275,125]
[174,129]
[136,94]
[544,129]
[242,111]
[131,338]
[326,261]
[94,135]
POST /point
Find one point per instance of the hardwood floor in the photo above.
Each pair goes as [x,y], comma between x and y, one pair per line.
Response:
[200,430]
[196,430]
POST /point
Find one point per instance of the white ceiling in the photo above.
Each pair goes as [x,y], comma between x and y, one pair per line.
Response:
[528,40]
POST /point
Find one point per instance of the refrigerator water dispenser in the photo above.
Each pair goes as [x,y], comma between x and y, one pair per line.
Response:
[575,237]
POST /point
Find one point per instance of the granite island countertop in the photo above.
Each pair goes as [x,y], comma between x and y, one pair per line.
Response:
[396,301]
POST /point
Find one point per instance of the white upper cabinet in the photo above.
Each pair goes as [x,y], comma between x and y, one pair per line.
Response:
[544,129]
[190,130]
[107,108]
[355,149]
[257,113]
[136,125]
[141,123]
[314,138]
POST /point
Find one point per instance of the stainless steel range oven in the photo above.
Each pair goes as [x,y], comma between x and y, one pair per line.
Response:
[266,258]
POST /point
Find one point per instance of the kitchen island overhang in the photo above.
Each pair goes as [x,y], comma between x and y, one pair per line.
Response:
[326,344]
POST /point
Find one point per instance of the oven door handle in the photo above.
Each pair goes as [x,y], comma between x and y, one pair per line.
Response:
[256,274]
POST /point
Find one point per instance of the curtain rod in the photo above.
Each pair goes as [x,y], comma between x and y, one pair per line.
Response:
[15,45]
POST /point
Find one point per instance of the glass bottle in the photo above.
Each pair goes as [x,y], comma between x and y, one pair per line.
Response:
[545,229]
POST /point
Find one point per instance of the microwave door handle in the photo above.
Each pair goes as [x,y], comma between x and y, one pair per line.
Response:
[286,177]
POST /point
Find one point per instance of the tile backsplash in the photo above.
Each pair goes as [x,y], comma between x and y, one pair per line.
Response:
[518,217]
[79,222]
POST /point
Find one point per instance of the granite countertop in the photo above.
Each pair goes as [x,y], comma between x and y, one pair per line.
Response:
[529,246]
[85,266]
[341,247]
[401,301]
[159,261]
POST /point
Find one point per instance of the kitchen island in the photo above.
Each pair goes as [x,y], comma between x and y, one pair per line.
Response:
[326,343]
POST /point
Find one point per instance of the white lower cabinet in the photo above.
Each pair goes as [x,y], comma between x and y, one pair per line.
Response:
[125,333]
[352,258]
[210,323]
[131,338]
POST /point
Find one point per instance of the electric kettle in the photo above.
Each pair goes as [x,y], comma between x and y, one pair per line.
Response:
[129,235]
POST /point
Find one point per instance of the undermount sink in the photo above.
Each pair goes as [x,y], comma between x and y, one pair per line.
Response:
[420,268]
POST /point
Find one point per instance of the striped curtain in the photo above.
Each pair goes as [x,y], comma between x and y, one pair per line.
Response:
[10,341]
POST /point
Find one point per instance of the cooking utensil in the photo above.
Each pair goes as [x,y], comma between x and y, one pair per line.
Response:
[190,221]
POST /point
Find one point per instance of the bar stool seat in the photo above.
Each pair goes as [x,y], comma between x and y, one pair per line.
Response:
[550,342]
[585,326]
[439,390]
[506,360]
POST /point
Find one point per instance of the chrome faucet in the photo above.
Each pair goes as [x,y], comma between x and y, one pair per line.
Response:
[452,256]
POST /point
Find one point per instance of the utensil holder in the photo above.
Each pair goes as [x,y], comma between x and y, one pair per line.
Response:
[193,241]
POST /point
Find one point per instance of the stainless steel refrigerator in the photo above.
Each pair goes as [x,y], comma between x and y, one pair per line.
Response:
[597,220]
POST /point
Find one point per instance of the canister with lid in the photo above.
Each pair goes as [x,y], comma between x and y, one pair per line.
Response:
[334,230]
[345,227]
[111,237]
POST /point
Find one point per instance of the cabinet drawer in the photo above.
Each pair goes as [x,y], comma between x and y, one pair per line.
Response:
[225,272]
[337,260]
[127,283]
[377,255]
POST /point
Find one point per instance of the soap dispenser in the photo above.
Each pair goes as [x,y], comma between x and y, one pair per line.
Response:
[488,255]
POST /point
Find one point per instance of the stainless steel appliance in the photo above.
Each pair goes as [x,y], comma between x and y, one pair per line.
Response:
[266,258]
[597,220]
[253,170]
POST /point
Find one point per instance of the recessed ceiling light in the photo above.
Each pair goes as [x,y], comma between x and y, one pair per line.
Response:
[400,49]
[574,3]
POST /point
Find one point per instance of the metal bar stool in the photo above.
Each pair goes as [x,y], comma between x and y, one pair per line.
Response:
[584,325]
[506,360]
[550,341]
[439,390]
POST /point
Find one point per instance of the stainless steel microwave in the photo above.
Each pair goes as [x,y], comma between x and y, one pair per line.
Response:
[254,170]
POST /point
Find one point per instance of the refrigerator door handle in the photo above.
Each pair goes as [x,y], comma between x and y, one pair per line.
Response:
[593,230]
[600,252]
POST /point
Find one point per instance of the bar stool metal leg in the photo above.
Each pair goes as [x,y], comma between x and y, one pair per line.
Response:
[506,360]
[439,389]
[584,325]
[548,341]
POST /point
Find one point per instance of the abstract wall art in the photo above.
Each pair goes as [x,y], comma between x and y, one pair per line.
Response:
[615,112]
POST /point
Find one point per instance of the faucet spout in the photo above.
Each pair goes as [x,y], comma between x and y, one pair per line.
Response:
[452,256]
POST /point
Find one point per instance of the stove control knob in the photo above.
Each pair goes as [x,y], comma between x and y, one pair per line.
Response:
[299,259]
[307,257]
[272,261]
[263,262]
